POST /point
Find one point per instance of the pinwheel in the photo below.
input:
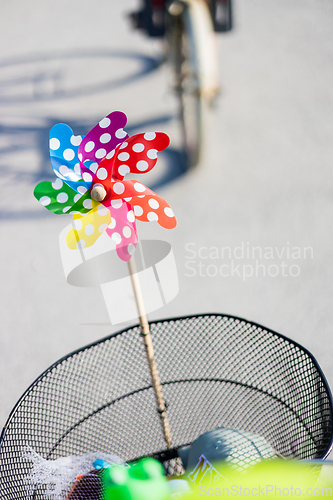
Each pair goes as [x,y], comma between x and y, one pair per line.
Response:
[90,183]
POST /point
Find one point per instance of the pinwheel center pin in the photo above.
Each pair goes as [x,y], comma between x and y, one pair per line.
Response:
[98,192]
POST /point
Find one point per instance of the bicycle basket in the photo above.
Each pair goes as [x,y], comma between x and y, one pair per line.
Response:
[216,370]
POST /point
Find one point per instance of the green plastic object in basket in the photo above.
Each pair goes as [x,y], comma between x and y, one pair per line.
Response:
[144,480]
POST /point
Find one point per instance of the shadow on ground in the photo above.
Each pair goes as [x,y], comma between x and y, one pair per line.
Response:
[41,78]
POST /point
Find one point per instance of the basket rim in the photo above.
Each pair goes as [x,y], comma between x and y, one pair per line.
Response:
[175,318]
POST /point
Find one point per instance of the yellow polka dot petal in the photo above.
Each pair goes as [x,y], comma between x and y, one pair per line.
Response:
[88,228]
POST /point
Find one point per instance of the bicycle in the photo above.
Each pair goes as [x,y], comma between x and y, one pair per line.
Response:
[189,28]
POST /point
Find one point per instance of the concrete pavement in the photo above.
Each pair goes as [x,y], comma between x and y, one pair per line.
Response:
[261,199]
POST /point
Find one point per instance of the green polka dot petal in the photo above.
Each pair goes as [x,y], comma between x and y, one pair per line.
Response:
[84,204]
[57,196]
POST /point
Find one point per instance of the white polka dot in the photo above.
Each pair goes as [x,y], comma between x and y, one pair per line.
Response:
[87,177]
[138,210]
[77,197]
[149,136]
[151,216]
[102,228]
[100,153]
[63,170]
[124,169]
[87,204]
[139,187]
[68,154]
[142,165]
[45,200]
[65,210]
[76,140]
[116,203]
[168,211]
[105,122]
[93,167]
[152,154]
[77,224]
[123,156]
[120,134]
[138,147]
[75,212]
[89,146]
[153,203]
[57,184]
[116,238]
[80,156]
[80,244]
[102,210]
[102,173]
[141,196]
[128,199]
[124,145]
[131,249]
[62,197]
[118,188]
[111,154]
[77,169]
[54,144]
[112,224]
[89,229]
[131,216]
[105,138]
[127,232]
[82,189]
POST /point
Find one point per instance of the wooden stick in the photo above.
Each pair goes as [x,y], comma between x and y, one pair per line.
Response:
[145,332]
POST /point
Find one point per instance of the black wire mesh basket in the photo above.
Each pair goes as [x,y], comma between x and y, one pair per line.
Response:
[216,370]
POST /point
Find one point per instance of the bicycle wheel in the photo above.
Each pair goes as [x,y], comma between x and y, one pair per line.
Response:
[193,55]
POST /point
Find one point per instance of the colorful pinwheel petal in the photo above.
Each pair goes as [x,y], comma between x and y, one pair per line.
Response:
[91,185]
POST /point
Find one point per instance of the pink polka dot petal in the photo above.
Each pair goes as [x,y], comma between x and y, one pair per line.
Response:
[116,203]
[131,216]
[127,232]
[116,238]
[131,249]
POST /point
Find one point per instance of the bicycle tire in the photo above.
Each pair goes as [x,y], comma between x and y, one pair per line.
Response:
[194,57]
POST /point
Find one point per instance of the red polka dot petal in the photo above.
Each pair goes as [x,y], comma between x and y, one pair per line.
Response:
[153,208]
[139,153]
